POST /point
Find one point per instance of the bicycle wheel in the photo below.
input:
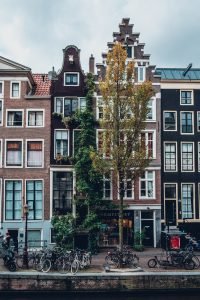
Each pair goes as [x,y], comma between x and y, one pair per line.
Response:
[189,264]
[152,263]
[12,267]
[74,267]
[112,261]
[196,261]
[46,265]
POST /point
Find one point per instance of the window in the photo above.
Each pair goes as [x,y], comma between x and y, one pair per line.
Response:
[141,74]
[170,157]
[129,50]
[170,118]
[34,154]
[15,90]
[127,186]
[107,190]
[13,199]
[35,118]
[198,121]
[61,143]
[53,236]
[14,118]
[104,143]
[147,185]
[186,97]
[151,115]
[1,88]
[187,157]
[34,238]
[14,153]
[69,106]
[187,194]
[186,122]
[1,155]
[71,79]
[34,198]
[1,112]
[148,142]
[62,192]
[199,157]
[170,191]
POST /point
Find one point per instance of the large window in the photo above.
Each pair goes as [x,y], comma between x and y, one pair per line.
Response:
[14,153]
[68,106]
[187,157]
[107,186]
[71,79]
[141,74]
[126,186]
[186,97]
[187,123]
[148,142]
[62,192]
[104,143]
[13,199]
[147,185]
[170,163]
[15,90]
[1,112]
[35,118]
[34,196]
[14,118]
[187,195]
[34,154]
[61,143]
[151,115]
[170,120]
[130,51]
[1,88]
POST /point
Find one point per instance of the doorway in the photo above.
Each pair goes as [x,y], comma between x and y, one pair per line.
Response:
[14,237]
[170,212]
[147,227]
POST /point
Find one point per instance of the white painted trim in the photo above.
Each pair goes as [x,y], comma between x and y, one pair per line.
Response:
[192,96]
[194,211]
[146,131]
[167,111]
[26,153]
[144,73]
[1,156]
[145,207]
[170,142]
[111,187]
[175,199]
[14,110]
[5,161]
[125,192]
[189,133]
[1,190]
[198,119]
[35,110]
[60,129]
[11,83]
[153,110]
[4,200]
[199,157]
[154,186]
[184,84]
[2,94]
[78,78]
[193,168]
[36,179]
[1,124]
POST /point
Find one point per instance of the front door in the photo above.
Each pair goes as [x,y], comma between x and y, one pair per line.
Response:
[170,212]
[147,228]
[14,237]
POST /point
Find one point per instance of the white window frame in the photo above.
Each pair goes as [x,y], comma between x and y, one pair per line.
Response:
[169,111]
[35,110]
[192,97]
[198,156]
[67,130]
[97,144]
[170,142]
[14,110]
[187,133]
[11,83]
[1,153]
[144,73]
[71,98]
[1,124]
[125,191]
[171,199]
[193,202]
[133,53]
[36,179]
[154,141]
[193,166]
[146,180]
[2,94]
[111,187]
[4,217]
[198,127]
[153,99]
[78,78]
[5,154]
[26,155]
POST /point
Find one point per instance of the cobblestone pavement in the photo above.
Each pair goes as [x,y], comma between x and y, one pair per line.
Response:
[98,262]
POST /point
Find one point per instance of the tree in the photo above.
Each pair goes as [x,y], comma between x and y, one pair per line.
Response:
[125,108]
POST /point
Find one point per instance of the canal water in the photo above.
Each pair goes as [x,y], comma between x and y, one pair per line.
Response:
[100,296]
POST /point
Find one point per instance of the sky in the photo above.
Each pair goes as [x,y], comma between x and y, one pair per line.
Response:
[34,32]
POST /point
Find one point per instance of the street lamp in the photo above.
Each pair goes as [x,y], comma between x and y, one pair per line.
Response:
[25,252]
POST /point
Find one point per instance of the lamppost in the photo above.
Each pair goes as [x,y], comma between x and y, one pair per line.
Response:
[25,252]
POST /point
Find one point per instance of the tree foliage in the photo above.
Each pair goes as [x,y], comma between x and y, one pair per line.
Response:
[125,110]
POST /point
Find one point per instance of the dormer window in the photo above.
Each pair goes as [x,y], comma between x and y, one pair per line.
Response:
[71,79]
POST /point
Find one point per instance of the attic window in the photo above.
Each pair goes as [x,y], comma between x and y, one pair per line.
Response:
[15,89]
[129,52]
[71,79]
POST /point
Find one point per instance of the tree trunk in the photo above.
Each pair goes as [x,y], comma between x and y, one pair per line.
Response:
[121,236]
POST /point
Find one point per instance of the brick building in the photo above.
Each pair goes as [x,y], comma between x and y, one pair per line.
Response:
[24,150]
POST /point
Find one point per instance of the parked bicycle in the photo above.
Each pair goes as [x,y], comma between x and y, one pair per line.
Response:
[126,257]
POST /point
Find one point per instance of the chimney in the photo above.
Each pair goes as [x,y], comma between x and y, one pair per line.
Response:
[91,64]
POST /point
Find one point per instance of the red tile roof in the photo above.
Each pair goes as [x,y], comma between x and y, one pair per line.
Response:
[42,84]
